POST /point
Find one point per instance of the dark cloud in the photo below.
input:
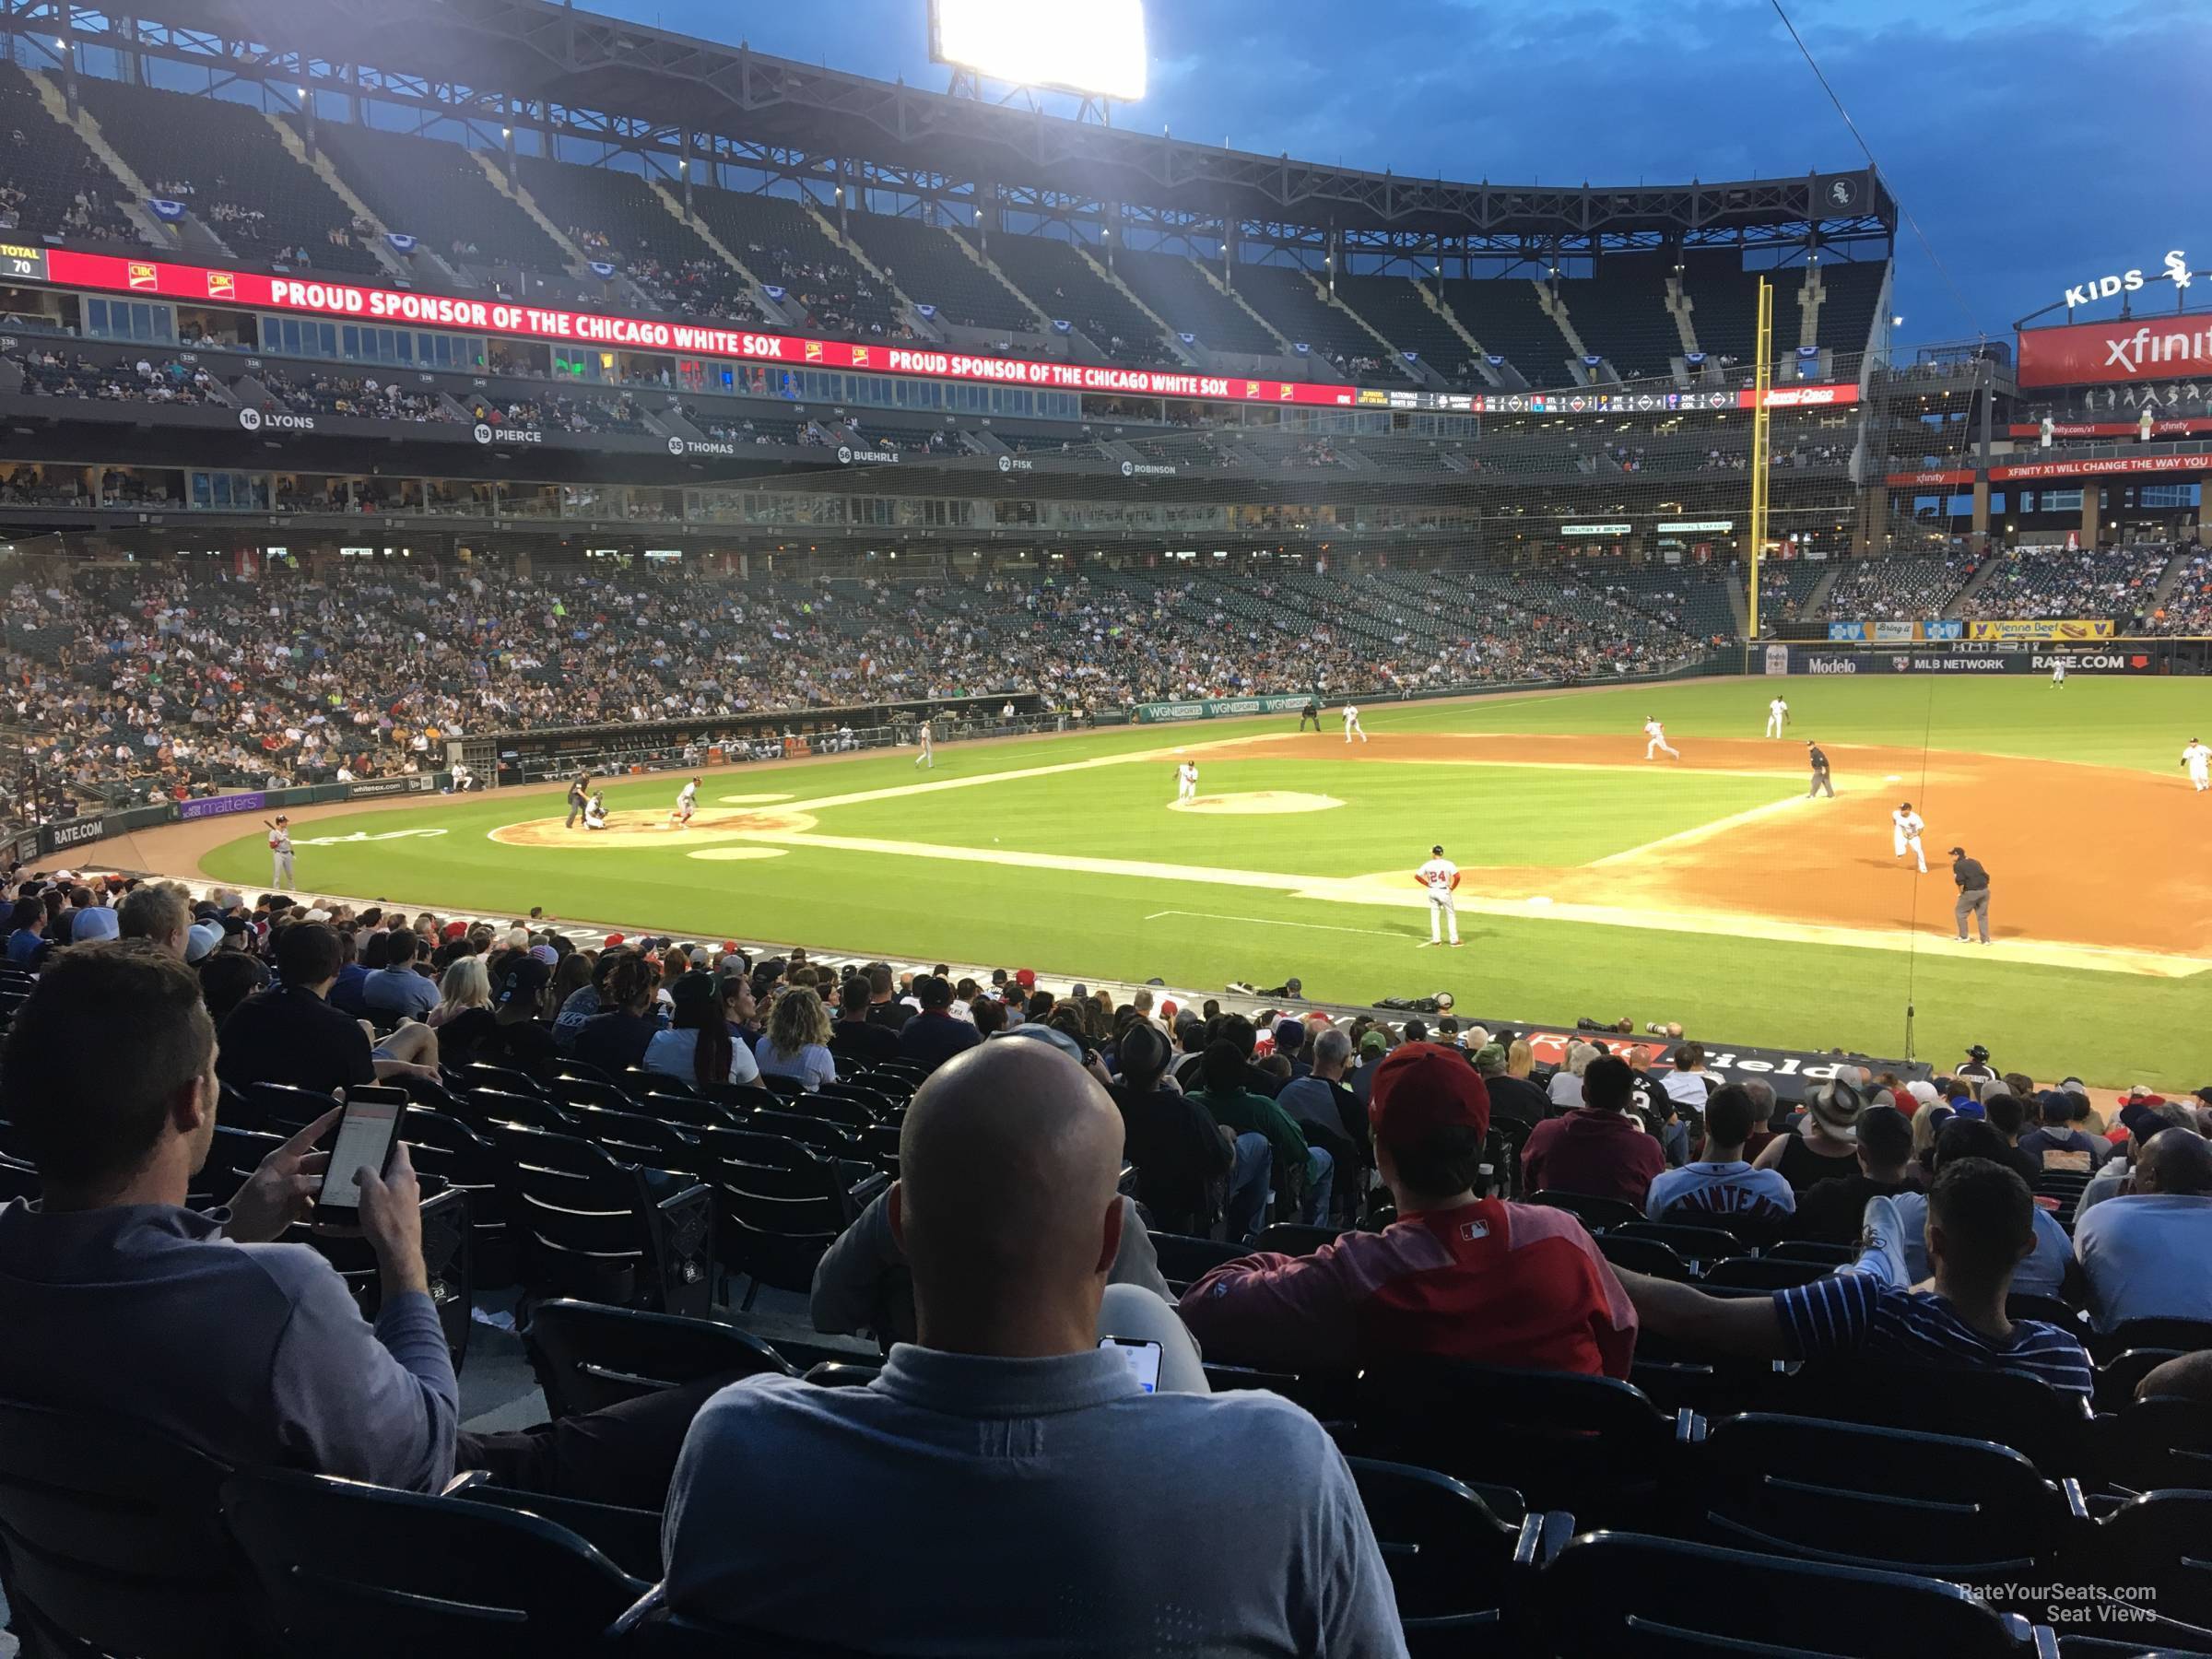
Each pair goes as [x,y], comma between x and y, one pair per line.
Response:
[2034,145]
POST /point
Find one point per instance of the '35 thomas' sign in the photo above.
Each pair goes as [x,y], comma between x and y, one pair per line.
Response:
[2129,281]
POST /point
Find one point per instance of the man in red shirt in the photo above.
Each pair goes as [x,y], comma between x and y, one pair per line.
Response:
[1598,1150]
[1457,1277]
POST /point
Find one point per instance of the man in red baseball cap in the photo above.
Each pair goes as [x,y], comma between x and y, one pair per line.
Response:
[1458,1276]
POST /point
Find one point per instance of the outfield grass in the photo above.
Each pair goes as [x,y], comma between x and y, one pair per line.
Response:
[2112,1027]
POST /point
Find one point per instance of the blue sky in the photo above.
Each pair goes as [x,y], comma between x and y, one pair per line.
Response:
[2038,143]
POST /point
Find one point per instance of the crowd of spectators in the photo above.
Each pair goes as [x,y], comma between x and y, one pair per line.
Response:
[1314,1198]
[56,374]
[2039,583]
[1899,587]
[173,684]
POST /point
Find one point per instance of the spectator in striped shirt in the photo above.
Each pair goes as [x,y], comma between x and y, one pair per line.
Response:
[1980,1228]
[1457,1276]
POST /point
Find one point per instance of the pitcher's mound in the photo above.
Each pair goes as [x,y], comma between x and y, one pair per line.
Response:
[1258,803]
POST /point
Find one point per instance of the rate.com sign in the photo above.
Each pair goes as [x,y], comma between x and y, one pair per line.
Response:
[2175,346]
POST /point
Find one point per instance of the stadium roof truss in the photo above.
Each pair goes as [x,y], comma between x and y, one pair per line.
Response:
[585,77]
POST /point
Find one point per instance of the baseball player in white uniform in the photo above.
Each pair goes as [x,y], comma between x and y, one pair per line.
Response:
[1905,826]
[1656,732]
[280,852]
[1440,877]
[595,811]
[929,756]
[1351,723]
[2198,760]
[1186,781]
[687,802]
[1778,716]
[2058,675]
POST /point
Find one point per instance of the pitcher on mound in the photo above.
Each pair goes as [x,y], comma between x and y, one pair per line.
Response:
[1440,877]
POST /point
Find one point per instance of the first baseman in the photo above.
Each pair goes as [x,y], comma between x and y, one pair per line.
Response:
[1904,834]
[1440,876]
[280,852]
[1656,734]
[2198,760]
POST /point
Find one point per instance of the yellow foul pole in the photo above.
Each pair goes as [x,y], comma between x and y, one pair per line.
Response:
[1761,381]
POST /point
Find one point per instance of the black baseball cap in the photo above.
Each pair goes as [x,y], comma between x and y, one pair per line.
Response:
[525,976]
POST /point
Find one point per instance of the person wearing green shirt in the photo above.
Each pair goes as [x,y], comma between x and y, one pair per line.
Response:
[1270,1150]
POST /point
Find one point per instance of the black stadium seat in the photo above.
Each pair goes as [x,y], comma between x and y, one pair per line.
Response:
[1961,1509]
[588,1356]
[1463,1575]
[355,1571]
[588,1225]
[110,1537]
[1625,1596]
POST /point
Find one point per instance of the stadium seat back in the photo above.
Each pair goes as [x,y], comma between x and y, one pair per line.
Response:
[2152,1444]
[1961,1509]
[846,1110]
[355,1571]
[486,1108]
[1289,1238]
[110,1536]
[1693,1243]
[1593,1446]
[2188,1335]
[2118,1376]
[284,1109]
[2013,1410]
[588,1091]
[1643,1255]
[824,1136]
[17,1179]
[1596,1214]
[636,1137]
[687,1109]
[1764,1273]
[504,1078]
[1632,1598]
[1183,1261]
[630,1538]
[2155,1547]
[593,1227]
[1451,1560]
[588,1356]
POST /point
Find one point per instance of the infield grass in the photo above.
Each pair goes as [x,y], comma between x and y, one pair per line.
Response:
[2113,1029]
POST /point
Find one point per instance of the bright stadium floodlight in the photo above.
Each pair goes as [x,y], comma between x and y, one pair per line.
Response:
[1095,48]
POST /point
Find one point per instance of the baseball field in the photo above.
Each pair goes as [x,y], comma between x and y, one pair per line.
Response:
[1707,890]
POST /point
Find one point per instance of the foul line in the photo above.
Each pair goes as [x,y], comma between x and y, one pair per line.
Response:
[1368,889]
[1373,933]
[1684,837]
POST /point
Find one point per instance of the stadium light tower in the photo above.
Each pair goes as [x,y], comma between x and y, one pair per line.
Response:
[1762,379]
[1091,50]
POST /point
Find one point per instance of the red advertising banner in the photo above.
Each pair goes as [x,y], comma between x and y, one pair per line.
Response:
[2127,350]
[316,296]
[2108,428]
[2089,470]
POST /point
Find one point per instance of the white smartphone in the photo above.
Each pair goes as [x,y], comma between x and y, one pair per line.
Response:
[366,1135]
[1142,1357]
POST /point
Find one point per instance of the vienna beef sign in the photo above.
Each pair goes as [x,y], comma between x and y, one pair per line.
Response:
[314,296]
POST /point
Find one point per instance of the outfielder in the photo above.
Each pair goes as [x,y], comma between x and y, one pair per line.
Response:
[1778,716]
[2198,760]
[280,853]
[929,756]
[1440,876]
[1904,834]
[1186,781]
[1656,734]
[2058,675]
[687,802]
[1351,723]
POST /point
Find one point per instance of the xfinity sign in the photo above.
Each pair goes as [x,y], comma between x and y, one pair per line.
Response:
[2129,281]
